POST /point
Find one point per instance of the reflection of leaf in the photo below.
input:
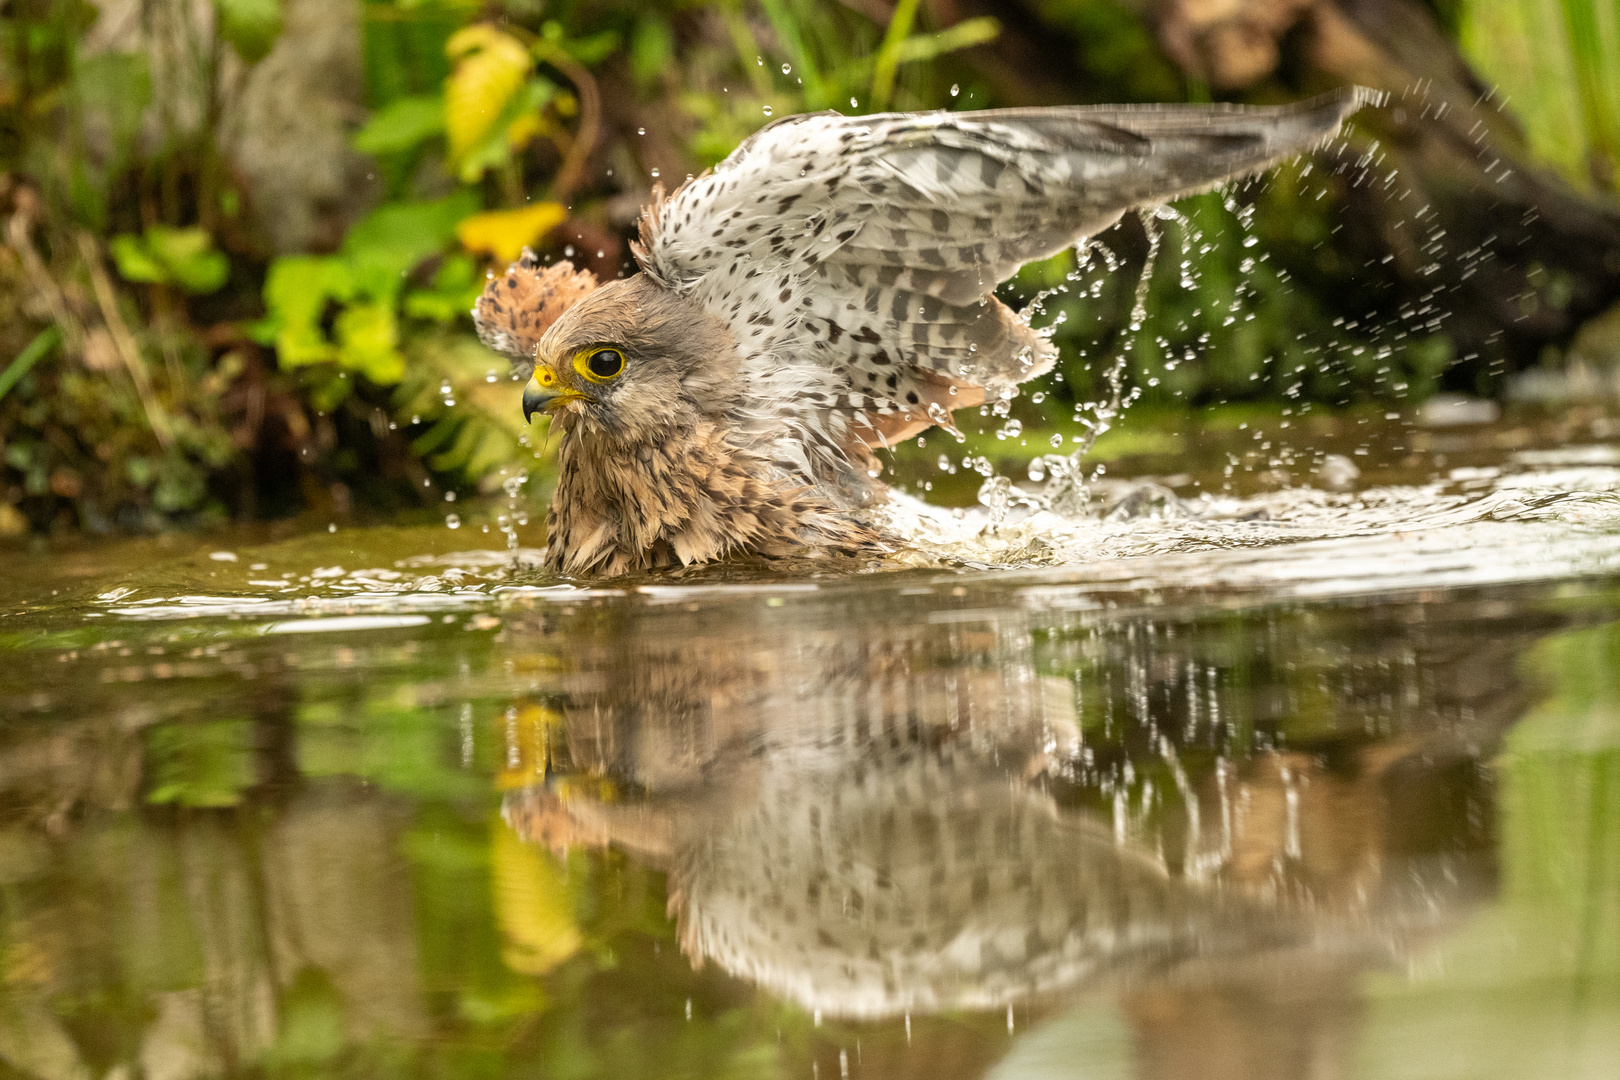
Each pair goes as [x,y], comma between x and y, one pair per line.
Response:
[490,68]
[200,765]
[310,1027]
[505,233]
[533,904]
[251,26]
[401,125]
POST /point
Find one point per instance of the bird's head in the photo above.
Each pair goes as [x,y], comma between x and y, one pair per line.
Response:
[631,360]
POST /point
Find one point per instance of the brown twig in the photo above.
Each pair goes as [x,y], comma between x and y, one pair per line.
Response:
[124,341]
[44,284]
[590,120]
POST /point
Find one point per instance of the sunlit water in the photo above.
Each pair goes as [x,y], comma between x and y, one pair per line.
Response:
[1228,777]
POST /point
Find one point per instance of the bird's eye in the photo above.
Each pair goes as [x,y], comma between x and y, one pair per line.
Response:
[600,364]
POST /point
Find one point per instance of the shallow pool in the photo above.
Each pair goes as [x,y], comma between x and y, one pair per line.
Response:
[1314,775]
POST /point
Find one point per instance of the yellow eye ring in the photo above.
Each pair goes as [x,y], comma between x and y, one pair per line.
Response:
[599,365]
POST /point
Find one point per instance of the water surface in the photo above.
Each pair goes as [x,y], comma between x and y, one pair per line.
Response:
[1265,778]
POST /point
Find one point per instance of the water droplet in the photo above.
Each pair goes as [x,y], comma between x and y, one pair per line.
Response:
[767,110]
[653,173]
[452,521]
[854,104]
[955,89]
[787,69]
[1057,441]
[449,496]
[332,528]
[641,131]
[944,463]
[689,1008]
[1037,469]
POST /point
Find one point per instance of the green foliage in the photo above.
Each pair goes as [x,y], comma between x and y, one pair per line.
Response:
[165,256]
[1558,62]
[402,125]
[363,283]
[251,26]
[1218,318]
[199,765]
[474,116]
[1115,51]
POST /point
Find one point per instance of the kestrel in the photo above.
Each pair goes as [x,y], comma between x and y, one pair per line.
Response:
[824,291]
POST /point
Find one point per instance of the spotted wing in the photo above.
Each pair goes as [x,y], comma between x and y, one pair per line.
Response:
[853,258]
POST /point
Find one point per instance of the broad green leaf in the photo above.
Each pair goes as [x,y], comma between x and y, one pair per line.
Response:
[134,260]
[251,26]
[368,342]
[387,244]
[296,292]
[402,125]
[188,257]
[491,67]
[456,287]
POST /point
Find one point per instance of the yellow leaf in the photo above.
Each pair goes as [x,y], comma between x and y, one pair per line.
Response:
[505,233]
[534,906]
[521,130]
[491,66]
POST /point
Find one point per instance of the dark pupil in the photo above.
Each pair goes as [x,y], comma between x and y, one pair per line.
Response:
[606,364]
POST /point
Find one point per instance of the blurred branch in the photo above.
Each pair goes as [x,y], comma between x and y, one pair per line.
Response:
[44,284]
[123,341]
[572,170]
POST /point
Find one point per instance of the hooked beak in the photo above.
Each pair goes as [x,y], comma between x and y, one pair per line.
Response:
[545,393]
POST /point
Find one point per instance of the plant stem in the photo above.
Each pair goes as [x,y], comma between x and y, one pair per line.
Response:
[35,351]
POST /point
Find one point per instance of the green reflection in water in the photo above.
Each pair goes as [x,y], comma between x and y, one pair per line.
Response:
[1531,988]
[293,865]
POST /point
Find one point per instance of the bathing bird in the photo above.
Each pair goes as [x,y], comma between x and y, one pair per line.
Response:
[827,290]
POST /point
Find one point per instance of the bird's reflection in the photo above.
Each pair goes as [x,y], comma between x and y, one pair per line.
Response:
[974,809]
